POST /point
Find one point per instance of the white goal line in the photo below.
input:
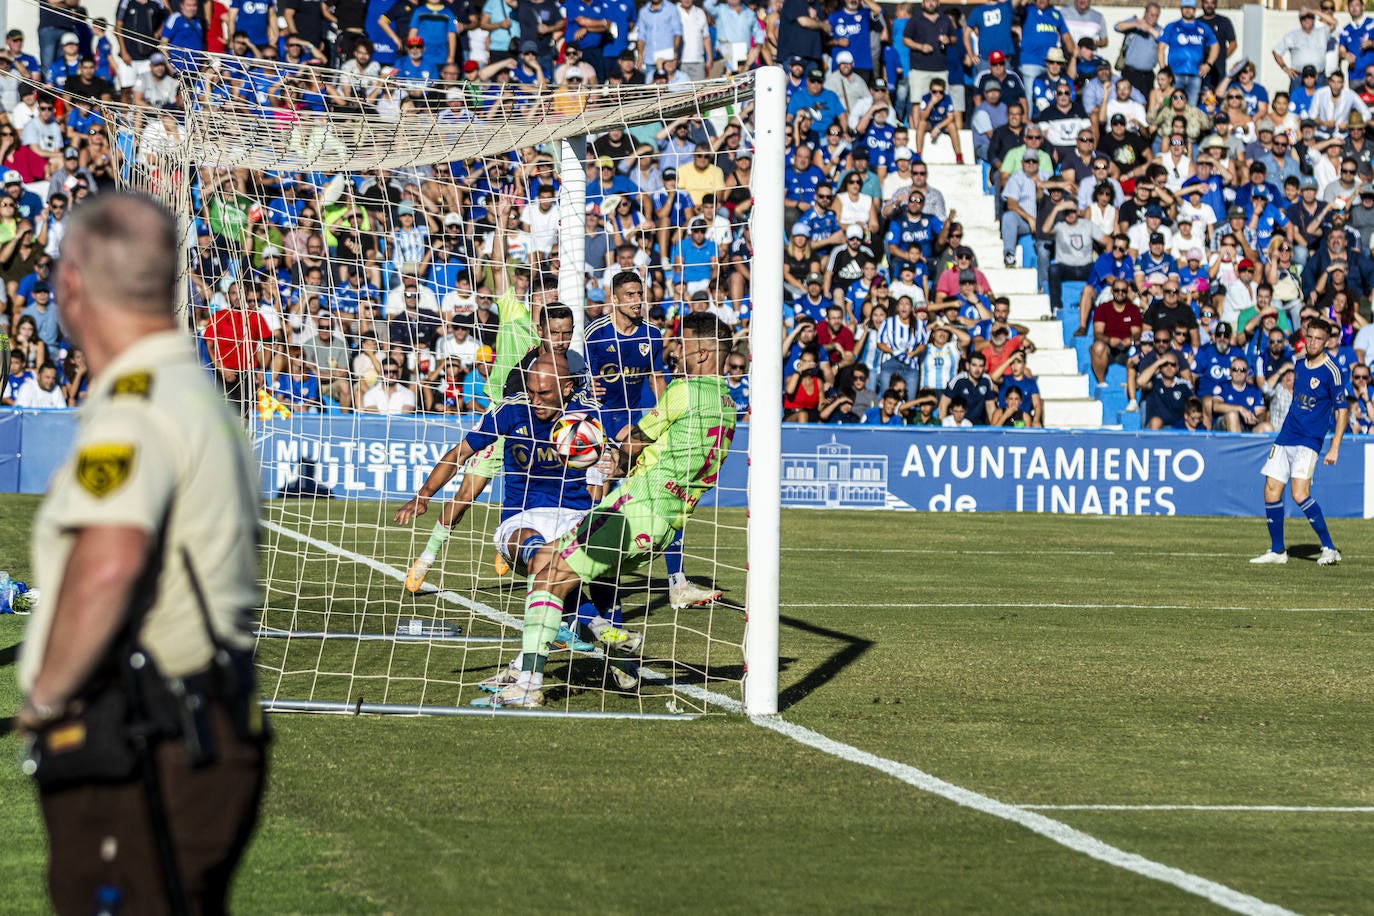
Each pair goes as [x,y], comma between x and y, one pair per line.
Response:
[1283,809]
[1056,831]
[1039,552]
[1085,606]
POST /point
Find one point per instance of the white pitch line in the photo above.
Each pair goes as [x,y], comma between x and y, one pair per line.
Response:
[1023,605]
[1286,809]
[1039,552]
[1056,831]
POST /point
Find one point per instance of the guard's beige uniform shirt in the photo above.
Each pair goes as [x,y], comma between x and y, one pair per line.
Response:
[158,449]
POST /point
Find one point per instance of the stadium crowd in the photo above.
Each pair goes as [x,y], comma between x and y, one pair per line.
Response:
[1206,215]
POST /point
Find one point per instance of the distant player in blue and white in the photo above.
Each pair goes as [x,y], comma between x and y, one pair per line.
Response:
[1318,392]
[625,357]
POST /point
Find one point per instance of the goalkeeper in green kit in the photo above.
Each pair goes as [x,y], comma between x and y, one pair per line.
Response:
[673,455]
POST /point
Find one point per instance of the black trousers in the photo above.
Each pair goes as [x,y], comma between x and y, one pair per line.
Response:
[1058,274]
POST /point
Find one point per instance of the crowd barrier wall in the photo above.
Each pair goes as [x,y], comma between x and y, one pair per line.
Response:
[1088,472]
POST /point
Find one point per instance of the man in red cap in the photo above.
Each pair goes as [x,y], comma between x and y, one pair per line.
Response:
[1013,88]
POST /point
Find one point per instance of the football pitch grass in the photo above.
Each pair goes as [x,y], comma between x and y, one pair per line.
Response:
[1034,660]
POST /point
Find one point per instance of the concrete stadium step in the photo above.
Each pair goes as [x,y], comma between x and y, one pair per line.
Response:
[1079,413]
[1029,307]
[973,211]
[984,239]
[1048,335]
[941,150]
[1063,387]
[1009,281]
[1048,361]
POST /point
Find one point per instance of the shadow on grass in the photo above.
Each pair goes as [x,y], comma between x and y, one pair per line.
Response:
[850,650]
[7,658]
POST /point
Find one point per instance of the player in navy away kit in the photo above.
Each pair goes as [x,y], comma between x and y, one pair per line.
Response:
[625,360]
[1317,392]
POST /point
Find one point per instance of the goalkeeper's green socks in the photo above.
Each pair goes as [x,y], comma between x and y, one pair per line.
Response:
[436,541]
[543,612]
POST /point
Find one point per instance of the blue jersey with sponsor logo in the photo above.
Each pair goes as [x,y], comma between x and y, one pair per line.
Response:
[1187,43]
[993,22]
[1317,393]
[622,363]
[1247,396]
[533,474]
[1212,366]
[252,18]
[855,28]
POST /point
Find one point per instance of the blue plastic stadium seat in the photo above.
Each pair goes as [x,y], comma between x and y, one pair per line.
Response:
[1082,345]
[1113,398]
[985,170]
[1116,374]
[1073,290]
[1027,244]
[1068,319]
[1129,419]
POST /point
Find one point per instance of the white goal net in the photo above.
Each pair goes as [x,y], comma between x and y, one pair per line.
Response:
[360,231]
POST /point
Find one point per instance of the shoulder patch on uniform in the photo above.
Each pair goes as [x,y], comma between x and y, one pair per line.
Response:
[137,384]
[102,469]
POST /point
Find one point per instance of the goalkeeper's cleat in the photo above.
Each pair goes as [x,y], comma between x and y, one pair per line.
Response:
[626,642]
[497,682]
[689,594]
[1330,557]
[499,564]
[415,576]
[1270,556]
[567,639]
[517,697]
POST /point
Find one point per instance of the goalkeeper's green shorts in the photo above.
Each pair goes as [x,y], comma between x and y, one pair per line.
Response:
[618,535]
[487,462]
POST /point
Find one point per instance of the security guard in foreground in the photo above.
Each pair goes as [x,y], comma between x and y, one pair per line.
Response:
[146,739]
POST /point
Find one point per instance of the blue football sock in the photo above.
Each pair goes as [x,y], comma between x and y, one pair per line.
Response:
[605,597]
[1273,516]
[1315,518]
[528,548]
[672,556]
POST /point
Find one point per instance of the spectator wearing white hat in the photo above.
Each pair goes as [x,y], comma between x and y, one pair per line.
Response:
[28,204]
[846,83]
[67,61]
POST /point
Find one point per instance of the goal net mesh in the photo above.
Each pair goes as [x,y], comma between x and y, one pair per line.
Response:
[380,206]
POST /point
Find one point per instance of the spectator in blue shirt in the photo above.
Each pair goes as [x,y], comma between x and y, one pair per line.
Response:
[185,36]
[1238,406]
[1189,49]
[886,413]
[801,180]
[435,23]
[660,32]
[827,105]
[851,28]
[989,27]
[257,18]
[695,260]
[1043,28]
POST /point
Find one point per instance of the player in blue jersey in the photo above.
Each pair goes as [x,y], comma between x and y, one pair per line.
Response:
[625,360]
[1318,392]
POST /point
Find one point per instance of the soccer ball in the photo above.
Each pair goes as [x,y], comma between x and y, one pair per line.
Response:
[579,440]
